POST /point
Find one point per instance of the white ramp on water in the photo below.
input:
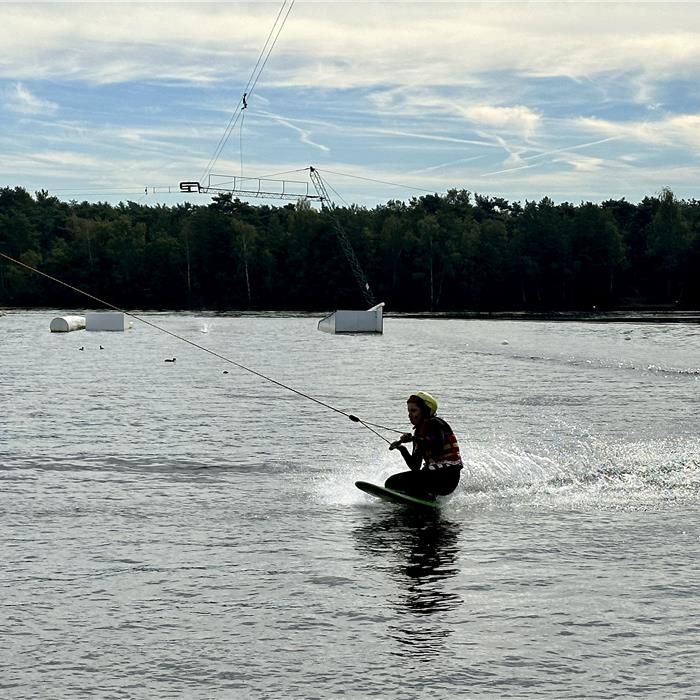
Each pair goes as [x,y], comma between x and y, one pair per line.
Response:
[349,321]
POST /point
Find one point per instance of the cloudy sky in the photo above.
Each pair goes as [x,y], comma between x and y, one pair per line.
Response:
[577,101]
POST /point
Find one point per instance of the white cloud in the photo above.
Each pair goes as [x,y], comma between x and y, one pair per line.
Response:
[346,45]
[615,180]
[304,134]
[518,119]
[680,131]
[66,159]
[515,119]
[19,99]
[581,163]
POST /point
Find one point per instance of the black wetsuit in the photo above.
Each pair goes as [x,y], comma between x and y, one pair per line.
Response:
[435,449]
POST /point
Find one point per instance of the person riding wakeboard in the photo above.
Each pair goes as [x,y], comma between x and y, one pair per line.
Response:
[435,463]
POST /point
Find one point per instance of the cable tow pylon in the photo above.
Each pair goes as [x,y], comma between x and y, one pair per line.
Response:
[342,236]
[253,187]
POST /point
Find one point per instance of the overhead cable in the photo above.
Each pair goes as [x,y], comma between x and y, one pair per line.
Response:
[252,82]
[382,182]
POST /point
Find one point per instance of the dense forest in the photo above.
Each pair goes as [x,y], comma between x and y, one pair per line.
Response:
[449,252]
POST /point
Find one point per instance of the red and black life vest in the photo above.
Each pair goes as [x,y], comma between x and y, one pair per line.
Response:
[437,444]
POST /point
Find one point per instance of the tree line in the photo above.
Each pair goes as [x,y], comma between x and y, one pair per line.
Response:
[453,252]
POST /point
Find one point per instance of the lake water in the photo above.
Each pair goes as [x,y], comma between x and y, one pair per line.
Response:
[189,530]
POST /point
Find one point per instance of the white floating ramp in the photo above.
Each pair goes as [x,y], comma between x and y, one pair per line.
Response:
[346,321]
[65,324]
[105,321]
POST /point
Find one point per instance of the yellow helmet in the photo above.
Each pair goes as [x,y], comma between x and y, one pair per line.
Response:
[425,398]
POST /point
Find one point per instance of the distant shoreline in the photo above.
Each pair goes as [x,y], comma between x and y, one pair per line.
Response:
[620,316]
[617,316]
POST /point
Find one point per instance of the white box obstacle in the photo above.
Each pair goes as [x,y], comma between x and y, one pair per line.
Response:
[348,321]
[105,321]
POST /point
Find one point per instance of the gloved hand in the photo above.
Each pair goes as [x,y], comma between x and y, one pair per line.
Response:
[394,445]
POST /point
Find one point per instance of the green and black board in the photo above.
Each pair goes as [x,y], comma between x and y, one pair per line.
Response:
[394,496]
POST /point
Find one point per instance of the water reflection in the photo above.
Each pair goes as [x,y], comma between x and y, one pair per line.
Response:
[419,552]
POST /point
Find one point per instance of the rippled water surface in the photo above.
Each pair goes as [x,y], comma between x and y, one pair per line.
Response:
[188,529]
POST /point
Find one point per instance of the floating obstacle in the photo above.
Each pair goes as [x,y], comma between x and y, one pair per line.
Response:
[106,321]
[66,324]
[348,321]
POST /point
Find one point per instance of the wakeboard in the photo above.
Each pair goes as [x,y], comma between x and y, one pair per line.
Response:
[394,496]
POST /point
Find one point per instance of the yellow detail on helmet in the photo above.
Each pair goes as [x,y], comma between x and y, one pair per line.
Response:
[428,400]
